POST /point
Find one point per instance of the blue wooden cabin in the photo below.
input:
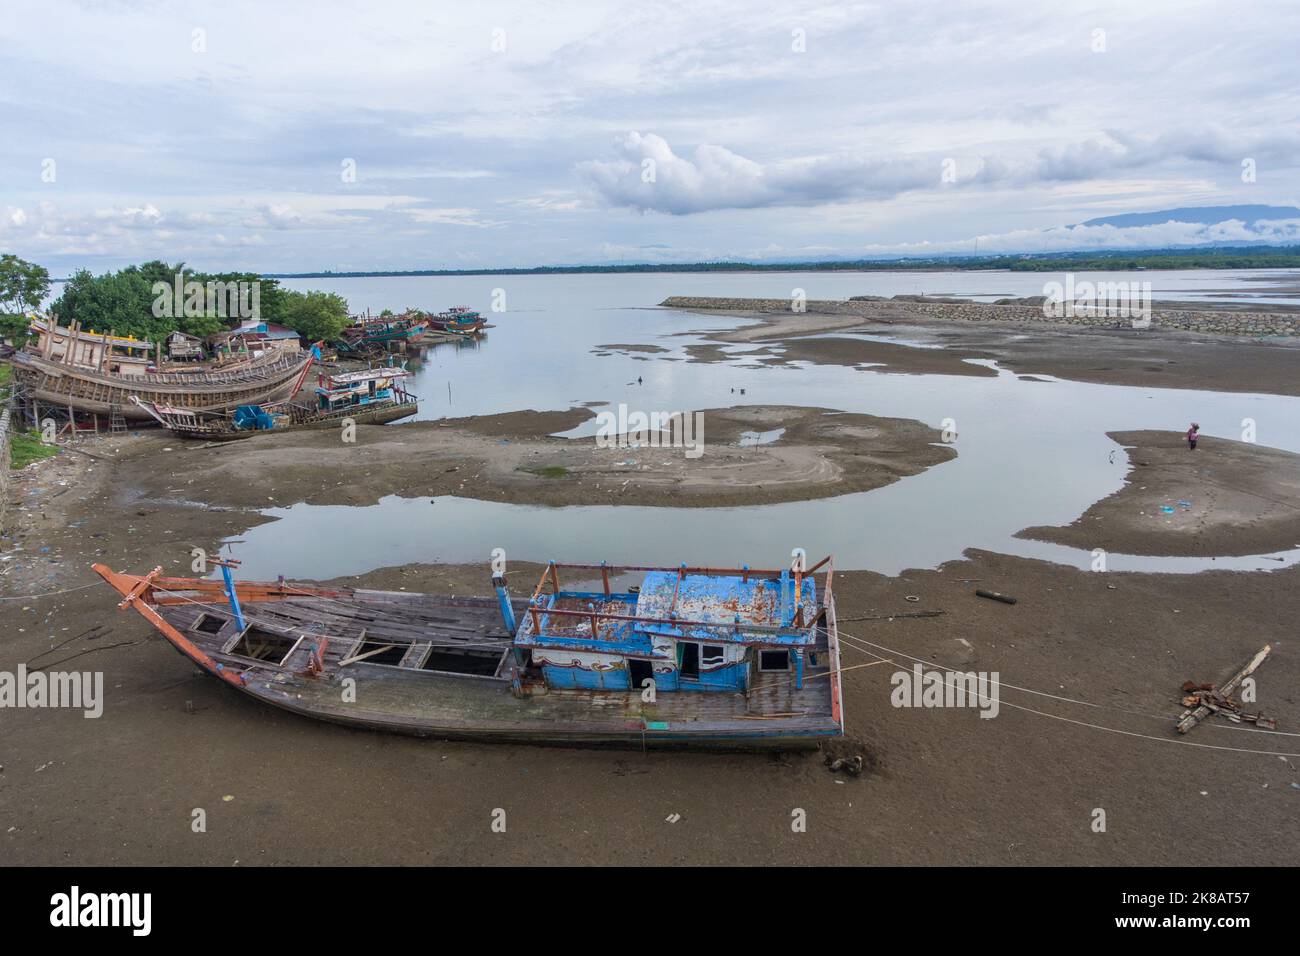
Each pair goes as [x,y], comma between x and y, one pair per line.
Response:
[689,629]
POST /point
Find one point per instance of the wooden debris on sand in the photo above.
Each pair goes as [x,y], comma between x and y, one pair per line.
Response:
[1201,700]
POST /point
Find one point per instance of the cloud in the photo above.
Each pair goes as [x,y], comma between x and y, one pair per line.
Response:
[1164,235]
[829,146]
[649,176]
[454,217]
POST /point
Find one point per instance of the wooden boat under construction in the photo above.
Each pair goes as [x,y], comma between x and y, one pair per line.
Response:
[366,397]
[281,417]
[700,657]
[91,375]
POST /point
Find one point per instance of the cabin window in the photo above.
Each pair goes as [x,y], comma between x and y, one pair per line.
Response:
[712,654]
[262,645]
[773,660]
[208,623]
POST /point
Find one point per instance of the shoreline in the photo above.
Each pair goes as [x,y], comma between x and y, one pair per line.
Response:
[1160,357]
[1112,649]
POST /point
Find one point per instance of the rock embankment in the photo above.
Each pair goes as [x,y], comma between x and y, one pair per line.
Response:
[1206,321]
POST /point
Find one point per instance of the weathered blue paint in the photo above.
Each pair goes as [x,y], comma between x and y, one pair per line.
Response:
[726,604]
[727,677]
[229,580]
[670,610]
[580,678]
[503,599]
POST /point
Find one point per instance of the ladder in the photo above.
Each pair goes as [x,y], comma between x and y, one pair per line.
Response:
[116,421]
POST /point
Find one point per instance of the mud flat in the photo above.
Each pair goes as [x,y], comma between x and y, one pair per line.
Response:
[1231,350]
[1224,498]
[512,457]
[946,786]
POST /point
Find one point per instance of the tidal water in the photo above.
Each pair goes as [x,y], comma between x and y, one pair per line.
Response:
[1029,452]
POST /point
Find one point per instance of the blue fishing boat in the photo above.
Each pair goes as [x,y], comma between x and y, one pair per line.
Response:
[715,658]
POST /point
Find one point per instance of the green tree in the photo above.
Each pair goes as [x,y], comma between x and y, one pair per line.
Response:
[120,302]
[23,287]
[124,301]
[315,315]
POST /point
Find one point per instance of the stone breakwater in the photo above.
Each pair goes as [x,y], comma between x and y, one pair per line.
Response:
[1206,321]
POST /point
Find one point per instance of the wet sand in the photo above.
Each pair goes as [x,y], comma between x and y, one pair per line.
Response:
[1166,358]
[1224,498]
[512,457]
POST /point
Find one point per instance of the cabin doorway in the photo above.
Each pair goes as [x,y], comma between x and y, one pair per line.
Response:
[688,663]
[639,671]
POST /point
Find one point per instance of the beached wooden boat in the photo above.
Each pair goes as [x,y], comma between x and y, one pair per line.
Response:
[99,374]
[692,656]
[366,397]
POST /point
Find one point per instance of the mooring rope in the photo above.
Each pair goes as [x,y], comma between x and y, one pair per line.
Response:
[1084,723]
[1165,718]
[43,594]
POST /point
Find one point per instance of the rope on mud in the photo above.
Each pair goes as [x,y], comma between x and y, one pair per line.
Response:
[1084,723]
[89,650]
[27,597]
[1068,700]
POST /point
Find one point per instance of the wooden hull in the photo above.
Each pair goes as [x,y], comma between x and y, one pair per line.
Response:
[467,328]
[341,681]
[89,391]
[362,416]
[366,340]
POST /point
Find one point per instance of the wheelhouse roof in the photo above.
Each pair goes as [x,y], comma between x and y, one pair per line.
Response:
[716,607]
[366,374]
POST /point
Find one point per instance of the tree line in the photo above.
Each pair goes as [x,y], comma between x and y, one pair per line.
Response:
[138,301]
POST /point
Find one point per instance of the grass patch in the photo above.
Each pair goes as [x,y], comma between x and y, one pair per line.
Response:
[25,448]
[547,471]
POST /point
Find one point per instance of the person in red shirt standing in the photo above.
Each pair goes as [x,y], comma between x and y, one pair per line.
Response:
[1192,434]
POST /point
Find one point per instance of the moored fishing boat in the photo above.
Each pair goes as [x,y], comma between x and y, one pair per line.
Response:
[366,397]
[458,319]
[367,333]
[690,656]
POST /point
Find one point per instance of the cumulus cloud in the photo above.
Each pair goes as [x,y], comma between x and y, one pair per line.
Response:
[807,149]
[646,174]
[649,175]
[278,215]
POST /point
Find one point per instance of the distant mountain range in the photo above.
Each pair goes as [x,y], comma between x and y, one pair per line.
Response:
[1201,215]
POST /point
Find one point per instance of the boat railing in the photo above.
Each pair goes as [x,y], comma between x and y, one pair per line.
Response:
[803,619]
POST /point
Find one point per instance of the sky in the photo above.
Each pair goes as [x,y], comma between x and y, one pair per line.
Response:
[288,136]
